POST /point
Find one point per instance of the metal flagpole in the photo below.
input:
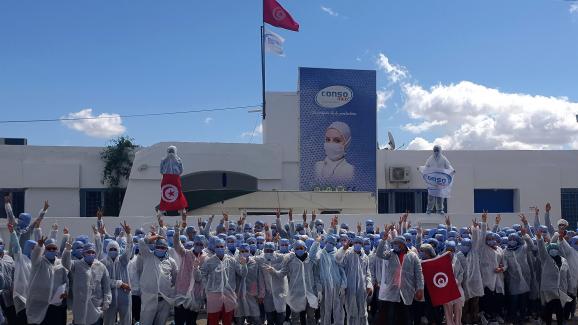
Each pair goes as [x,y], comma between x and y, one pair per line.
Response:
[264,112]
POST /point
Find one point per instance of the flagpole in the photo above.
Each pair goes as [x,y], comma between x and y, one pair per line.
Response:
[264,112]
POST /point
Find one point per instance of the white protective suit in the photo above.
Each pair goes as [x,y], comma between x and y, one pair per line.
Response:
[220,280]
[90,287]
[356,268]
[118,273]
[554,282]
[46,280]
[490,259]
[157,280]
[275,287]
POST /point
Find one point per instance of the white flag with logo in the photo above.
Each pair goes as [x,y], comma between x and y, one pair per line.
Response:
[274,43]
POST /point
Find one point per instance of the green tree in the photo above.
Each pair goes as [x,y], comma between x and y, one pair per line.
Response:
[117,156]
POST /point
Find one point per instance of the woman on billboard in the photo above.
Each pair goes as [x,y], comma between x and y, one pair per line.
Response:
[335,168]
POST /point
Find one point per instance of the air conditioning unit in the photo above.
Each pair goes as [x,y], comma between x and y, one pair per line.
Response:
[399,174]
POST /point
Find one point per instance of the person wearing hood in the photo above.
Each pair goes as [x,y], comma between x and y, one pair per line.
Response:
[570,253]
[90,285]
[219,274]
[48,282]
[188,284]
[22,266]
[517,277]
[356,266]
[332,281]
[492,270]
[303,278]
[250,289]
[116,262]
[6,285]
[23,225]
[335,168]
[469,256]
[437,160]
[134,280]
[275,287]
[172,163]
[453,309]
[554,281]
[158,272]
[402,281]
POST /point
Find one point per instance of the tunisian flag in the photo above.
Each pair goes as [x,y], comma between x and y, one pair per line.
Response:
[172,198]
[439,278]
[275,15]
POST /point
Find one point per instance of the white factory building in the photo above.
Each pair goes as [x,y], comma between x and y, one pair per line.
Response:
[258,178]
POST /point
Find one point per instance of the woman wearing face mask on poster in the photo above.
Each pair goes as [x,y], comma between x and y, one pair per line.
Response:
[335,168]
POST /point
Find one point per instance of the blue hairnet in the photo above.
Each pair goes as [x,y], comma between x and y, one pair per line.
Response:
[28,246]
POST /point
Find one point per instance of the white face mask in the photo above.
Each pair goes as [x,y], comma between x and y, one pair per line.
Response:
[334,151]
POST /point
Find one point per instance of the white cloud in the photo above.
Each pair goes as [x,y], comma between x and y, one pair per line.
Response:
[329,11]
[256,132]
[422,127]
[103,126]
[395,72]
[479,117]
[573,8]
[208,120]
[382,97]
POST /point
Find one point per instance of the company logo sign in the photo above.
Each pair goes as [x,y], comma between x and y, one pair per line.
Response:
[438,179]
[334,96]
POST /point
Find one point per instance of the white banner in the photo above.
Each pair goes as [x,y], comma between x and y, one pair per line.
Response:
[274,43]
[438,180]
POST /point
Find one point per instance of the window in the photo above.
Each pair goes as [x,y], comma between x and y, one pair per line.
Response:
[398,201]
[110,200]
[494,200]
[17,201]
[569,205]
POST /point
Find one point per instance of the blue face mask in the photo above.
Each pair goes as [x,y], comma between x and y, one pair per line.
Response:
[220,251]
[369,229]
[422,256]
[89,258]
[259,246]
[284,249]
[357,247]
[253,248]
[113,254]
[396,248]
[232,247]
[245,255]
[160,253]
[299,252]
[553,252]
[1,249]
[329,247]
[51,255]
[367,248]
[269,256]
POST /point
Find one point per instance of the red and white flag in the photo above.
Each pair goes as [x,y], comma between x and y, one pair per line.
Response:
[439,279]
[172,198]
[275,15]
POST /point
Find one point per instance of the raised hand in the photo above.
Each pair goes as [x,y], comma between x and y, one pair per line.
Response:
[448,221]
[10,227]
[539,233]
[55,226]
[278,213]
[313,215]
[548,207]
[65,231]
[200,222]
[304,216]
[290,214]
[42,240]
[98,214]
[126,228]
[94,230]
[46,206]
[498,219]
[485,216]
[523,219]
[7,199]
[358,227]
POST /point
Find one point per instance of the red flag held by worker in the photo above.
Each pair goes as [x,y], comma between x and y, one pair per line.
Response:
[275,15]
[438,276]
[172,198]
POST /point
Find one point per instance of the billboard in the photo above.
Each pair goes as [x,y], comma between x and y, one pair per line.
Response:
[337,130]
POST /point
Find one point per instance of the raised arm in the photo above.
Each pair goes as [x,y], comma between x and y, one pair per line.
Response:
[547,220]
[8,208]
[207,229]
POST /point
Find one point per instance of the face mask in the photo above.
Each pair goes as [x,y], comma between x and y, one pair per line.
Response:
[338,246]
[136,250]
[89,258]
[396,248]
[422,256]
[464,249]
[329,247]
[357,247]
[220,251]
[50,255]
[231,247]
[259,246]
[367,248]
[269,256]
[553,252]
[369,229]
[512,243]
[245,255]
[197,249]
[284,249]
[299,252]
[113,254]
[253,248]
[334,151]
[1,249]
[319,228]
[160,253]
[491,243]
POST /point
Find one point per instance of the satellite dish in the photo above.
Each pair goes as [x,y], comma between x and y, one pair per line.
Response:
[391,141]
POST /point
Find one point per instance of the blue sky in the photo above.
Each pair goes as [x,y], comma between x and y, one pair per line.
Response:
[489,61]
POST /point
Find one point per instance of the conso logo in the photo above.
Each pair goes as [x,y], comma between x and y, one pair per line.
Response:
[334,96]
[437,179]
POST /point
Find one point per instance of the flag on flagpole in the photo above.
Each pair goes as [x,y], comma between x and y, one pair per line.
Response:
[274,43]
[275,15]
[439,278]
